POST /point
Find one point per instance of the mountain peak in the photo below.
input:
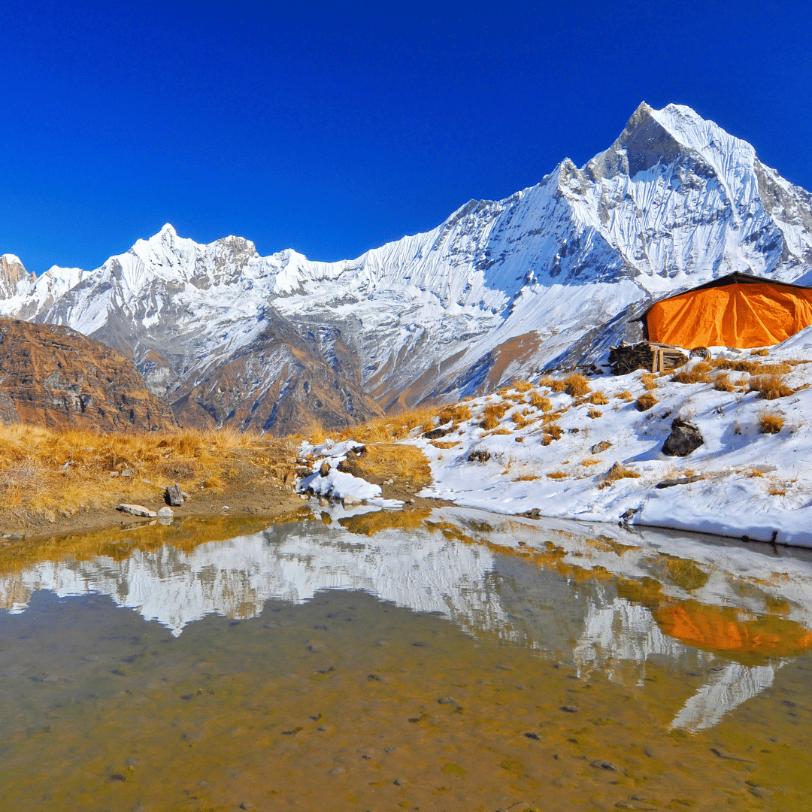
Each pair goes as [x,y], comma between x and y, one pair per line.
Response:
[12,271]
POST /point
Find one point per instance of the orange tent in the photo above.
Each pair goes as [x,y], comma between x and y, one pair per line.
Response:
[734,311]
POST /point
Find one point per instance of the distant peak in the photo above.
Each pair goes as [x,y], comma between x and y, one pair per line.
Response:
[167,230]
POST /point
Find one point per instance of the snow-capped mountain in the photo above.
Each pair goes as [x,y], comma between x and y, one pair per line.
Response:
[498,289]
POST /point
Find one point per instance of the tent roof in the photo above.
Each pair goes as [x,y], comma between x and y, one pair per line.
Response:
[729,279]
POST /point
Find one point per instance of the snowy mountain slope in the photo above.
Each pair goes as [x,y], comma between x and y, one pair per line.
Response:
[499,289]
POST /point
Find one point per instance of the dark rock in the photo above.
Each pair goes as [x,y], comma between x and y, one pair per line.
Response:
[600,764]
[700,352]
[479,455]
[598,448]
[680,480]
[533,513]
[173,495]
[435,434]
[324,470]
[685,437]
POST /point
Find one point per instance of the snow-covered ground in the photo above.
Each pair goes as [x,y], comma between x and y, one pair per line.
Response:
[328,482]
[744,482]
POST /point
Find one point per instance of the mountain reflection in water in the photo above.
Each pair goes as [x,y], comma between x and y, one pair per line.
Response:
[596,598]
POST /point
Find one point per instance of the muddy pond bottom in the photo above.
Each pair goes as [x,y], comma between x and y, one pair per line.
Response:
[436,660]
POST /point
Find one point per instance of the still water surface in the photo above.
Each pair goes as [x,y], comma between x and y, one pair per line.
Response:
[429,660]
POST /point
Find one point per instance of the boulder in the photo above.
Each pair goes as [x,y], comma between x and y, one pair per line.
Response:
[479,455]
[137,510]
[166,515]
[603,445]
[685,438]
[324,470]
[173,496]
[435,434]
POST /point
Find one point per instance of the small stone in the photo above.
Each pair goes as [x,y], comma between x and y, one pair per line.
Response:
[324,469]
[128,473]
[598,448]
[137,510]
[600,764]
[166,515]
[534,736]
[569,709]
[173,495]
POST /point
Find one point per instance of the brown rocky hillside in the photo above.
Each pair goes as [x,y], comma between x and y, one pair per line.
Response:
[55,377]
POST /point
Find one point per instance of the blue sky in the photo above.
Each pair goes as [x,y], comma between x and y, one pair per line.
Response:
[332,128]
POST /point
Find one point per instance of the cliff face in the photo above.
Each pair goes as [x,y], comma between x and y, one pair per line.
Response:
[56,377]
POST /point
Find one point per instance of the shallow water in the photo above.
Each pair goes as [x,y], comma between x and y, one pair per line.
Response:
[430,660]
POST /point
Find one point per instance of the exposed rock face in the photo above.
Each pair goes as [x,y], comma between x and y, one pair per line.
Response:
[12,271]
[55,377]
[685,438]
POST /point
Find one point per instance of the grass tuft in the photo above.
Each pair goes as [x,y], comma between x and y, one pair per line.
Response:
[770,422]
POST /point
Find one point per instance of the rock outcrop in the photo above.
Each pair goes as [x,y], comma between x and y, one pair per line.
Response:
[58,378]
[685,438]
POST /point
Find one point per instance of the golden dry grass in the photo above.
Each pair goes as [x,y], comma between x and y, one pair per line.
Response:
[455,414]
[493,414]
[770,387]
[557,475]
[540,401]
[722,383]
[552,432]
[522,386]
[618,471]
[406,465]
[46,475]
[598,398]
[594,414]
[383,429]
[649,381]
[526,478]
[696,373]
[624,395]
[753,367]
[576,385]
[645,402]
[770,422]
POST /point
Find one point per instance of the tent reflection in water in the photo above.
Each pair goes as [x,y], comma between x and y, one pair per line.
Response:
[737,310]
